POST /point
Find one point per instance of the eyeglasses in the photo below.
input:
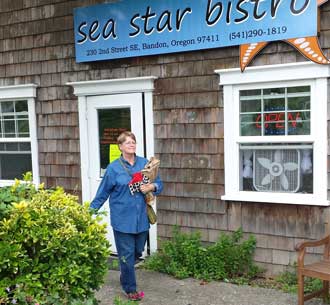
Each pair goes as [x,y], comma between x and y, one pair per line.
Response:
[129,143]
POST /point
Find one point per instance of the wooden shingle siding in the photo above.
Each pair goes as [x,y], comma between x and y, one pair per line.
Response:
[37,46]
[189,141]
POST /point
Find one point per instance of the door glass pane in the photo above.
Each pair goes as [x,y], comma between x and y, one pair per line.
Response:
[112,122]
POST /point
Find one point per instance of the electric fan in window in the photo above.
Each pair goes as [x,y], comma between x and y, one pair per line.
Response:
[276,170]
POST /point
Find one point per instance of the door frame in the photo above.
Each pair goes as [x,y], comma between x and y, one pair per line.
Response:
[82,90]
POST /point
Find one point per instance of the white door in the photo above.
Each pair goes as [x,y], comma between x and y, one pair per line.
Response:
[107,117]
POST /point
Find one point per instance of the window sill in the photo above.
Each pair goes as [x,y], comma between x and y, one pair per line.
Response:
[284,198]
[6,183]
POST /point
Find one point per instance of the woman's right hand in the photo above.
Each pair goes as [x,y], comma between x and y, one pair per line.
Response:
[146,188]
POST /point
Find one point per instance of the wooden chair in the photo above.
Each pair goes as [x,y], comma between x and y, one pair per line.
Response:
[319,269]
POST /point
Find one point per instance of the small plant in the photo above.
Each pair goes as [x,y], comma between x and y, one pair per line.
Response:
[52,251]
[288,282]
[185,256]
[119,301]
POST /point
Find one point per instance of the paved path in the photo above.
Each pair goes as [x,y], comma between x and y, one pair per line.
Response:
[161,289]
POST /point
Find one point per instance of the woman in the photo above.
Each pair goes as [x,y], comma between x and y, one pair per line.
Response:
[128,212]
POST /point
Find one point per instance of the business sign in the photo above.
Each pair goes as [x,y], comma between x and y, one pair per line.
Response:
[130,28]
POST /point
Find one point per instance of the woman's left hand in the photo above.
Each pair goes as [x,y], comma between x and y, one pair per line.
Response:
[146,188]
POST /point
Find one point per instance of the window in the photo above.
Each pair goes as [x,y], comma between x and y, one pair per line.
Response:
[112,122]
[276,133]
[275,111]
[18,143]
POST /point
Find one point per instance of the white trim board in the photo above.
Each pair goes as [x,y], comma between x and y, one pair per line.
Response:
[113,86]
[18,91]
[273,73]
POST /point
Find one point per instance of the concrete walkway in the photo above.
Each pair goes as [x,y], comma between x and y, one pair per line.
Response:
[161,289]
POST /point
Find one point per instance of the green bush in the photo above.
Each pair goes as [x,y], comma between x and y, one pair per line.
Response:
[185,256]
[52,251]
[17,192]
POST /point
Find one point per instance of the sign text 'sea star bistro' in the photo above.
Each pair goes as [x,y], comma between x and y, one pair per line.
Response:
[130,28]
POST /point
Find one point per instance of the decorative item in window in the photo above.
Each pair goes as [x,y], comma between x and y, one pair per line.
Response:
[247,164]
[306,162]
[277,170]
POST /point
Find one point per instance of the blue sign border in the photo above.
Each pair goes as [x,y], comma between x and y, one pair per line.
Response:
[130,28]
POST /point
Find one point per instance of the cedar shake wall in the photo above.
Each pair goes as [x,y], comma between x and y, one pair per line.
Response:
[37,46]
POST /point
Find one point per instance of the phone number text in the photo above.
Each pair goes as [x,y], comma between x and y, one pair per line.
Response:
[258,32]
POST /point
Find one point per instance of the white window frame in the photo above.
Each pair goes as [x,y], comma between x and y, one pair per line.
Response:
[24,92]
[296,74]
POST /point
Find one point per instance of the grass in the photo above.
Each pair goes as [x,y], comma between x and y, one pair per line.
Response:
[120,301]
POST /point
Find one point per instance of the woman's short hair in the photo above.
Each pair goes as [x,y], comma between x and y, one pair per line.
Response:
[124,135]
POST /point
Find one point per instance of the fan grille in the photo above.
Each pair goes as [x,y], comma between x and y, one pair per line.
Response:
[271,172]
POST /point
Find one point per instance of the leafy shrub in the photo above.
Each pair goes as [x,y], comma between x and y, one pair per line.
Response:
[15,193]
[288,282]
[52,251]
[185,256]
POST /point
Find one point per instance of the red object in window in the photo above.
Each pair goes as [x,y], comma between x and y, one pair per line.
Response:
[279,118]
